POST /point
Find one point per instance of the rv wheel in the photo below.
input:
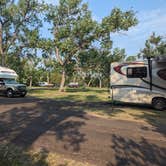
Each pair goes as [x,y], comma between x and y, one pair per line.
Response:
[9,93]
[159,103]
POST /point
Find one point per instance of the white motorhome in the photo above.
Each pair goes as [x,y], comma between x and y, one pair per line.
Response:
[8,84]
[137,82]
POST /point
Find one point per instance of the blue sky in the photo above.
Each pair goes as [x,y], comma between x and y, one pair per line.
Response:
[150,13]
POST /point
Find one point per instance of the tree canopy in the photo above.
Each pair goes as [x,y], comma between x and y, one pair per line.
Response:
[75,31]
[80,46]
[154,46]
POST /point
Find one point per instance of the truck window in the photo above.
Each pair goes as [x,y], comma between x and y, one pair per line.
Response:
[137,72]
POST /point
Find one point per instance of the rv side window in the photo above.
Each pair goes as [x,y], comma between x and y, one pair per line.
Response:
[137,72]
[162,74]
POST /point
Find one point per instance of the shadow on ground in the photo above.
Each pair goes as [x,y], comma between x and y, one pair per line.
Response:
[24,121]
[153,117]
[24,125]
[129,152]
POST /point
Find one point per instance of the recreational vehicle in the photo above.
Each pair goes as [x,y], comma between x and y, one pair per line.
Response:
[140,82]
[9,85]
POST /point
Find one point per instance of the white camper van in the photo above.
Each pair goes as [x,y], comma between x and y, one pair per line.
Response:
[8,84]
[133,82]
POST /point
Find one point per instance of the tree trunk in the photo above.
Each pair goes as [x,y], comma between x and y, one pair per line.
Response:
[62,85]
[30,81]
[100,83]
[48,77]
[89,82]
[1,48]
[74,79]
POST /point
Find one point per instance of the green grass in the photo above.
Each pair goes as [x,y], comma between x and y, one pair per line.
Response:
[100,108]
[77,94]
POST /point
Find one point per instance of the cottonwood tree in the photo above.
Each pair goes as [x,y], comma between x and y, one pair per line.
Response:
[19,26]
[117,22]
[96,65]
[116,55]
[131,58]
[154,46]
[48,60]
[89,64]
[73,29]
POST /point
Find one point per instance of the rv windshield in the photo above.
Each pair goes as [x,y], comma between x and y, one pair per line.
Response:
[10,81]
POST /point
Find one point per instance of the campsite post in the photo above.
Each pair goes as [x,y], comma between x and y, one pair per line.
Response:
[150,71]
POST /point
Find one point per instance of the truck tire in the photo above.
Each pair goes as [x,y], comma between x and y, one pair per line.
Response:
[159,103]
[23,95]
[10,93]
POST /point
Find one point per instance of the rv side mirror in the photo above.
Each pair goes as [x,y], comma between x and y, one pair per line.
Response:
[137,72]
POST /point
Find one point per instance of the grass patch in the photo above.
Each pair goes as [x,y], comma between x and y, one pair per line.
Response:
[97,97]
[144,115]
[10,155]
[71,94]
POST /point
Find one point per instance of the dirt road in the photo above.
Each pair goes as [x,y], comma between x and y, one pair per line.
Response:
[64,128]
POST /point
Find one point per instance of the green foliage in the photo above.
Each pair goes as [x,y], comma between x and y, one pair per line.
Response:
[154,46]
[73,27]
[81,46]
[131,58]
[75,33]
[95,64]
[117,21]
[118,55]
[19,25]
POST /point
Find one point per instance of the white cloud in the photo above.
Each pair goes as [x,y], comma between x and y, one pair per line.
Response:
[154,20]
[149,21]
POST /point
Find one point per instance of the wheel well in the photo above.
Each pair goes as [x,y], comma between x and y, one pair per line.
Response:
[156,98]
[9,89]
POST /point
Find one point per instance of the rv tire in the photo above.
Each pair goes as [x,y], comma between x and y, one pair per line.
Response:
[159,103]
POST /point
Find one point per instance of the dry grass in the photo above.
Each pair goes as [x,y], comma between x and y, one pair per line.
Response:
[137,114]
[10,155]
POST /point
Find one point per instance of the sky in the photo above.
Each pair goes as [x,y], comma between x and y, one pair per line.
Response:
[151,15]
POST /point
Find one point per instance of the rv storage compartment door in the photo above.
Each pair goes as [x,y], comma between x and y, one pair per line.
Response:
[133,95]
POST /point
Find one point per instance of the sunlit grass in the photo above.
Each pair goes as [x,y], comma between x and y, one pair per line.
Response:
[99,108]
[77,94]
[136,114]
